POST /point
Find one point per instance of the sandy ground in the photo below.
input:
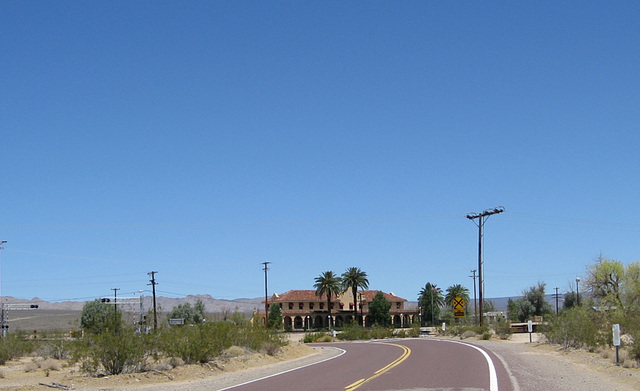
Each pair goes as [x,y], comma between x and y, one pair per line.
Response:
[547,367]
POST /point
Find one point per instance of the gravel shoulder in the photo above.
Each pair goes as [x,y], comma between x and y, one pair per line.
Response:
[539,366]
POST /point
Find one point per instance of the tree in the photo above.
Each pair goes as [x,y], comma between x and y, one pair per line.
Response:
[98,317]
[379,310]
[429,301]
[604,282]
[533,303]
[354,278]
[569,300]
[275,317]
[328,284]
[190,314]
[455,291]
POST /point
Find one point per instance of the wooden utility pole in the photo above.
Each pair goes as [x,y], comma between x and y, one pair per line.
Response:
[266,296]
[153,290]
[482,217]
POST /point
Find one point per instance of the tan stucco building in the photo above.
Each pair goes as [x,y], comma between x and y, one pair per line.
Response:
[302,309]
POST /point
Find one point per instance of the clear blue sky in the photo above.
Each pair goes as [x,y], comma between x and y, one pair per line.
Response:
[199,139]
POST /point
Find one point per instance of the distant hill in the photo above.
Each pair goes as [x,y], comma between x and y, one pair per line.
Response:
[164,304]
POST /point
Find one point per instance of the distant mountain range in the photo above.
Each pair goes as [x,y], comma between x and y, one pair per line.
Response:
[164,304]
[212,305]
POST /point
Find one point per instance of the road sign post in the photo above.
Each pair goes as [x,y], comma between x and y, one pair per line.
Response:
[616,341]
[530,329]
[458,307]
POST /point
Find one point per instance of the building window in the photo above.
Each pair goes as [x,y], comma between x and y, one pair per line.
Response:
[397,305]
[290,306]
[300,306]
[321,306]
[350,306]
[310,306]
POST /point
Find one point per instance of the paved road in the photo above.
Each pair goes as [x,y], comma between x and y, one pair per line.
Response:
[408,364]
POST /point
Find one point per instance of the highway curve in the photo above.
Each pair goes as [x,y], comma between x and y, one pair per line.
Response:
[407,364]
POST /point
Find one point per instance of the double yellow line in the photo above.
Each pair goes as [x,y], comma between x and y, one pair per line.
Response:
[406,353]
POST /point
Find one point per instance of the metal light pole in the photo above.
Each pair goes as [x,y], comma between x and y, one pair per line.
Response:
[482,217]
[578,291]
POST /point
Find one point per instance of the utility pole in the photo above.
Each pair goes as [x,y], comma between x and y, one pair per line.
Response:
[153,287]
[266,296]
[115,299]
[556,288]
[482,217]
[475,300]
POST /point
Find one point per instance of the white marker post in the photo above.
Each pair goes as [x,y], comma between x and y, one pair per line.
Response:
[616,341]
[530,329]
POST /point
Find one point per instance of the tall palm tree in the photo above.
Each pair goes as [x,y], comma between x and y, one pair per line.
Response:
[328,284]
[354,278]
[430,300]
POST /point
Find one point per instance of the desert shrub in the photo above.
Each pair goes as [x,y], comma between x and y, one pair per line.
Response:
[14,346]
[233,351]
[577,327]
[502,329]
[319,336]
[113,352]
[58,349]
[201,343]
[271,348]
[354,333]
[378,332]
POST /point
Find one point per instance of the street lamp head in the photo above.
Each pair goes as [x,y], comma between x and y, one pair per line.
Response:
[577,279]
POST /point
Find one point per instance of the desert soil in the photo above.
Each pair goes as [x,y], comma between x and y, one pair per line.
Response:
[546,366]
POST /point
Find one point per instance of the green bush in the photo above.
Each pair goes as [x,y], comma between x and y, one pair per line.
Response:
[577,327]
[502,329]
[14,346]
[320,336]
[114,352]
[201,343]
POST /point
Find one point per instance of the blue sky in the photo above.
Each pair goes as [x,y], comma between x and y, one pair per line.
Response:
[199,139]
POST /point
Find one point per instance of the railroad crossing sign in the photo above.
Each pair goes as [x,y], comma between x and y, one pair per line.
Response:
[458,307]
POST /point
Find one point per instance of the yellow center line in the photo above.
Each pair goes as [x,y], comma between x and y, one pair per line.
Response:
[406,353]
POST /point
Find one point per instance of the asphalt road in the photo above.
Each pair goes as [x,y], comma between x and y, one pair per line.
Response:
[411,364]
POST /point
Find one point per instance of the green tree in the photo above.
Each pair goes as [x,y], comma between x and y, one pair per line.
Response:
[379,310]
[604,282]
[191,315]
[97,317]
[354,278]
[429,301]
[275,317]
[569,300]
[533,303]
[328,284]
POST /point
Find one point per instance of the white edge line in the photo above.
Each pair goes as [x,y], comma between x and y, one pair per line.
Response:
[493,377]
[342,351]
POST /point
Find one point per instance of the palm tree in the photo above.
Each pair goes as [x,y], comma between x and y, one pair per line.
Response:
[328,284]
[430,300]
[354,278]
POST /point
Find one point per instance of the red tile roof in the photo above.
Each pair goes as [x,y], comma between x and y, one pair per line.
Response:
[310,295]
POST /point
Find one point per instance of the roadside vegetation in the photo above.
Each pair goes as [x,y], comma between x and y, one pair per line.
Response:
[109,346]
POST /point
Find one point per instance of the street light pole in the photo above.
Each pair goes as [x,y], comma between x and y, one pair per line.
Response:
[578,291]
[482,217]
